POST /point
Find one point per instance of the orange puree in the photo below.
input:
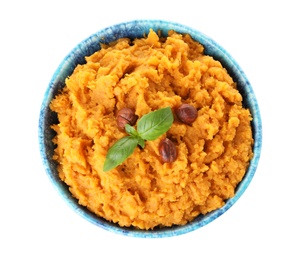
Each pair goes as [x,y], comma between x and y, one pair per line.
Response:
[145,75]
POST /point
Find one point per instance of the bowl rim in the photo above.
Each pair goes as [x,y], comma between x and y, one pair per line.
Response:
[107,35]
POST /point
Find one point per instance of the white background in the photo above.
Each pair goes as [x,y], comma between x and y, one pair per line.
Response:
[263,36]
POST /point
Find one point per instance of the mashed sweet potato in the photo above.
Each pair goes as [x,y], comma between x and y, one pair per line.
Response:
[148,74]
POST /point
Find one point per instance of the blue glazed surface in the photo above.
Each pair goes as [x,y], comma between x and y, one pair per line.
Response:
[137,29]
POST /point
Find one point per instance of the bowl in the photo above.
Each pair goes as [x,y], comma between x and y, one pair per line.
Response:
[137,29]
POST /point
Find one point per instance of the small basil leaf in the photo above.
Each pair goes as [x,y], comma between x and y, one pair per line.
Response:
[154,124]
[119,152]
[131,130]
[141,142]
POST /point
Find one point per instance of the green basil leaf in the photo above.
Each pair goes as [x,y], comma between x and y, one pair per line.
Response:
[119,152]
[149,127]
[131,130]
[154,124]
[141,142]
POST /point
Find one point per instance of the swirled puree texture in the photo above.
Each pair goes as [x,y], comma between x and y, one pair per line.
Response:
[148,74]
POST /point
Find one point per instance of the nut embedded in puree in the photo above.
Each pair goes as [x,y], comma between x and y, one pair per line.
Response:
[145,75]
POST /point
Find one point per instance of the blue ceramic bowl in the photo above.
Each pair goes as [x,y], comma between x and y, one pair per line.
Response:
[137,29]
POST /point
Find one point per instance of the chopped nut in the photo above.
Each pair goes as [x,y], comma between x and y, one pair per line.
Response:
[125,116]
[186,113]
[167,150]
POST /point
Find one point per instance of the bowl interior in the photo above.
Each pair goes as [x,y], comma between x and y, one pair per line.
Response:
[138,29]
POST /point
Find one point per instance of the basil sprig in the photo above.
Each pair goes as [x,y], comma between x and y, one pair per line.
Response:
[149,127]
